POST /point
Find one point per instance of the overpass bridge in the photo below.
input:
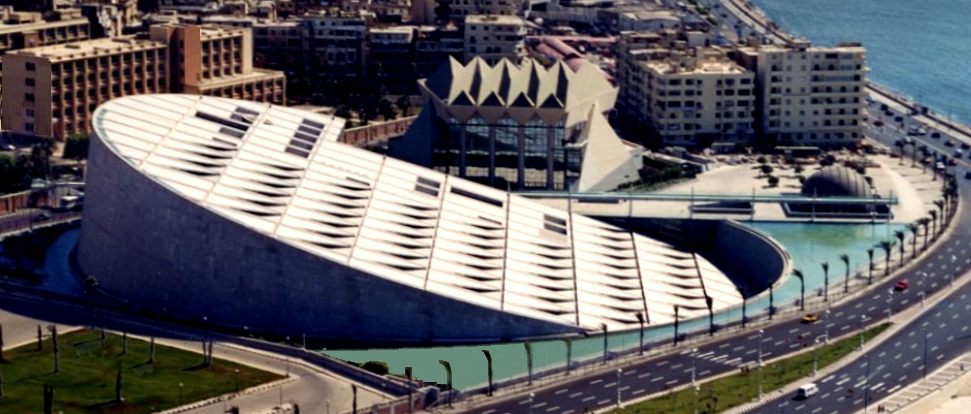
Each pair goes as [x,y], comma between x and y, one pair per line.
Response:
[27,220]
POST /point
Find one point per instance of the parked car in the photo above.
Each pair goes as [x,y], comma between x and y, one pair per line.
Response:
[42,217]
[810,318]
[878,122]
[806,391]
[884,107]
[926,160]
[901,286]
[917,131]
[899,118]
[952,161]
[967,175]
[939,166]
[965,145]
[935,134]
[949,143]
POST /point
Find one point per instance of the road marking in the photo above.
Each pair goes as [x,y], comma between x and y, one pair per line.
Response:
[539,405]
[589,398]
[493,410]
[576,394]
[638,392]
[657,379]
[644,375]
[602,402]
[843,381]
[597,381]
[610,384]
[677,366]
[672,382]
[558,392]
[553,408]
[829,378]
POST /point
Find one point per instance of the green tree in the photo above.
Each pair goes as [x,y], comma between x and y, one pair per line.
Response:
[76,147]
[404,104]
[773,181]
[343,111]
[887,247]
[766,169]
[386,108]
[377,367]
[900,235]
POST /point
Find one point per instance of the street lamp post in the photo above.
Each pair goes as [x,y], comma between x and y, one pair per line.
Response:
[697,388]
[760,364]
[693,376]
[862,325]
[890,307]
[924,330]
[816,357]
[180,394]
[640,320]
[826,328]
[236,375]
[866,390]
[921,294]
[619,371]
[531,397]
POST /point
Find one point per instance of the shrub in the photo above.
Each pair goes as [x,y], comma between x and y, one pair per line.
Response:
[377,367]
[773,181]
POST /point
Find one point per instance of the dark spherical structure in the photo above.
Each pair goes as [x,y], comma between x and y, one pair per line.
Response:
[836,181]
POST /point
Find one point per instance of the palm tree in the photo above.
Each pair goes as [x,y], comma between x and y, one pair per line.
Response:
[825,266]
[846,277]
[940,206]
[900,235]
[802,288]
[887,246]
[869,252]
[933,214]
[914,229]
[924,221]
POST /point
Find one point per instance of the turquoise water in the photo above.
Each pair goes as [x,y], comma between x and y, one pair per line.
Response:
[917,48]
[809,245]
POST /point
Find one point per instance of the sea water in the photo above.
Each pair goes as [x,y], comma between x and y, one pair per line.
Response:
[919,49]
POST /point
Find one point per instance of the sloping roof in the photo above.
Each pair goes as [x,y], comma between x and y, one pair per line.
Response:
[607,162]
[282,173]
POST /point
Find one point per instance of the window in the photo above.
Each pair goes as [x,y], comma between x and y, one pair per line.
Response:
[29,81]
[31,67]
[29,97]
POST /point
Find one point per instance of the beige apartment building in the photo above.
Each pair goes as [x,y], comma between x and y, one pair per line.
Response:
[694,97]
[809,95]
[682,95]
[494,38]
[465,8]
[53,90]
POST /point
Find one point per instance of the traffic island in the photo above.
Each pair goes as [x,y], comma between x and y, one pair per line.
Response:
[89,374]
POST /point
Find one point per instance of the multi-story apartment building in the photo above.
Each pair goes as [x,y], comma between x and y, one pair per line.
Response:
[28,29]
[110,18]
[693,98]
[809,95]
[463,8]
[217,61]
[391,58]
[53,90]
[335,45]
[391,11]
[280,46]
[494,38]
[434,46]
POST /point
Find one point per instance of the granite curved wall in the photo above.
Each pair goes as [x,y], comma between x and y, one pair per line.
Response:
[146,243]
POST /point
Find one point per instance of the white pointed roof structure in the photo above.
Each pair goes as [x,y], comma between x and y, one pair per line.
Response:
[281,172]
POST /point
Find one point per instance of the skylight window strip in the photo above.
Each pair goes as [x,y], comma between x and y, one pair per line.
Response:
[242,128]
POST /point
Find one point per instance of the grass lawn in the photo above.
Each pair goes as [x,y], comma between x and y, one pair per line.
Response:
[741,388]
[89,366]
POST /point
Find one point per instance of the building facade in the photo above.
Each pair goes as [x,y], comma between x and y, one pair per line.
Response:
[495,37]
[54,89]
[391,58]
[809,95]
[520,127]
[690,98]
[335,47]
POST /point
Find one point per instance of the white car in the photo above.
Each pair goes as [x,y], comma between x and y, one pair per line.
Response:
[939,166]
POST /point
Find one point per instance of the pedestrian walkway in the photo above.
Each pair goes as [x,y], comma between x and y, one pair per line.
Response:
[934,382]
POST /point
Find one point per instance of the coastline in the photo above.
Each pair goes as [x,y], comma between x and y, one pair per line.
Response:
[755,17]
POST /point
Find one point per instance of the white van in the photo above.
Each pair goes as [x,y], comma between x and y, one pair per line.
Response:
[806,391]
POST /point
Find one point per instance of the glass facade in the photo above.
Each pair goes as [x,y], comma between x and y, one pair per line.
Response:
[509,155]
